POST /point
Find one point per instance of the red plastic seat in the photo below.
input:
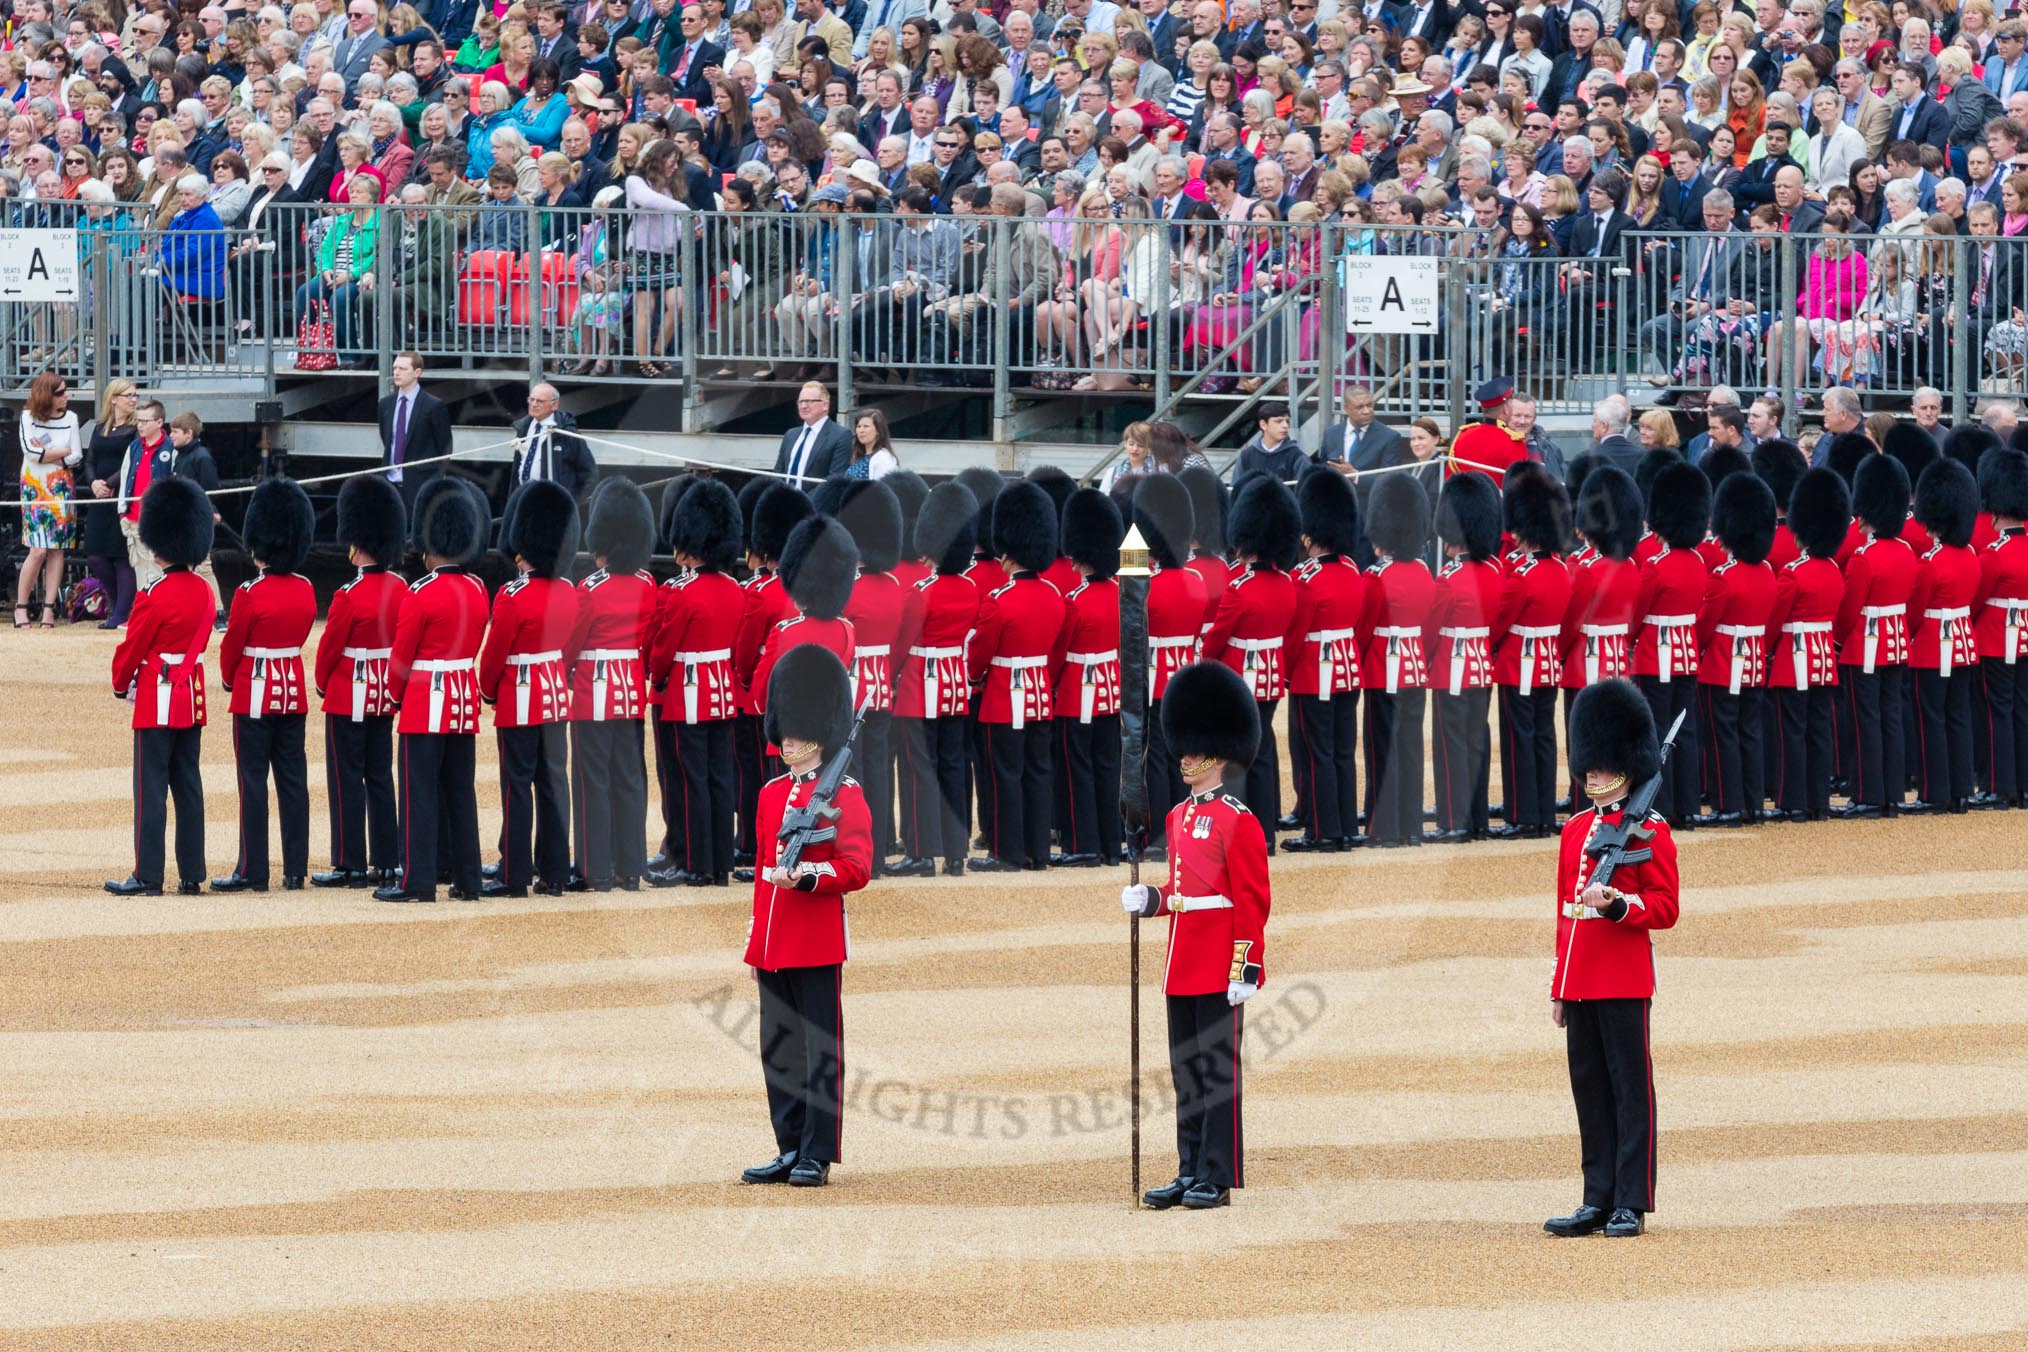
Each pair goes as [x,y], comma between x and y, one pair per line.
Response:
[485,284]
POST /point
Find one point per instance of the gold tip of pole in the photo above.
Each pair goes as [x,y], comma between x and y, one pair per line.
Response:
[1133,554]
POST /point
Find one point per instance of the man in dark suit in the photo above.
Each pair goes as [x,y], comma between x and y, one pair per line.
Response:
[547,446]
[1359,444]
[1915,116]
[890,112]
[556,40]
[1597,246]
[1170,203]
[1683,192]
[691,56]
[816,448]
[1610,418]
[1756,182]
[414,425]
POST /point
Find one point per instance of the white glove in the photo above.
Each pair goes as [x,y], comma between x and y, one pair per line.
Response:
[1239,992]
[1139,899]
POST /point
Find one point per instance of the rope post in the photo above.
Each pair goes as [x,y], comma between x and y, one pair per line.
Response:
[1003,330]
[383,303]
[1158,319]
[689,265]
[102,321]
[1785,350]
[532,301]
[844,263]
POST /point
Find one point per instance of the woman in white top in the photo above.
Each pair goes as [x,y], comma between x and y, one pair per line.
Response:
[873,454]
[1112,306]
[50,452]
[1836,147]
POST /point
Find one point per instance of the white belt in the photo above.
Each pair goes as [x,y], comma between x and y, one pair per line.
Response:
[1088,688]
[437,670]
[523,663]
[1874,614]
[866,650]
[1327,669]
[1458,634]
[935,654]
[1017,684]
[435,667]
[534,659]
[1394,634]
[1665,647]
[863,675]
[1256,645]
[268,654]
[2016,608]
[691,661]
[162,685]
[932,687]
[1186,643]
[1946,619]
[1737,633]
[1577,910]
[1182,905]
[1531,634]
[1592,634]
[601,678]
[360,657]
[257,699]
[1799,648]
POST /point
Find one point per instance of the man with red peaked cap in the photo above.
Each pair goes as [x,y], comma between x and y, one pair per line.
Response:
[1217,898]
[1488,445]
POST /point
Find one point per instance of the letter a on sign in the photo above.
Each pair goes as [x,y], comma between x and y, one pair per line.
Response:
[1385,294]
[38,269]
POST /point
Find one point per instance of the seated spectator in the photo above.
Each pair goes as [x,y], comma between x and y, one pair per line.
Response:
[502,224]
[193,249]
[345,262]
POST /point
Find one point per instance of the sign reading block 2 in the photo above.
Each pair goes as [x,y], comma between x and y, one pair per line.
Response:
[39,265]
[1391,295]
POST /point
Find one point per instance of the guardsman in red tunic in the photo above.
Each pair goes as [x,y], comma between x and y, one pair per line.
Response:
[1217,900]
[1324,677]
[1605,967]
[872,515]
[933,694]
[1489,446]
[606,652]
[776,510]
[1802,648]
[818,566]
[1605,587]
[1665,648]
[1400,594]
[1061,573]
[1008,656]
[523,675]
[1458,636]
[1251,627]
[910,492]
[1085,661]
[351,679]
[1732,635]
[690,672]
[436,648]
[1873,639]
[1780,464]
[1527,642]
[1210,505]
[797,940]
[988,576]
[159,666]
[2002,624]
[1177,600]
[260,662]
[1944,651]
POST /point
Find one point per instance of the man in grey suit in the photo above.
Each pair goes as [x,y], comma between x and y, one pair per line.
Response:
[1610,418]
[1707,267]
[816,448]
[361,41]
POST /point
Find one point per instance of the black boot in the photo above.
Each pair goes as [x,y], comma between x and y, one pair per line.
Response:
[1168,1195]
[1586,1220]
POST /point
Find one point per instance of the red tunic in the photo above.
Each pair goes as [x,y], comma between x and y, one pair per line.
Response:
[1600,959]
[1672,589]
[2002,619]
[793,632]
[1598,624]
[436,645]
[1528,634]
[1178,599]
[260,660]
[522,673]
[790,927]
[1062,575]
[1398,599]
[1460,629]
[1217,895]
[1086,657]
[1785,550]
[1873,617]
[765,604]
[1941,608]
[1489,447]
[1323,639]
[1217,575]
[1805,614]
[908,572]
[1984,531]
[876,611]
[1732,625]
[159,664]
[1009,650]
[1648,548]
[608,646]
[934,682]
[358,638]
[1250,625]
[690,662]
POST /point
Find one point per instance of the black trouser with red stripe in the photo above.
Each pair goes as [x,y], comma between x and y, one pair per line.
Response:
[609,797]
[1944,735]
[1088,755]
[260,747]
[535,804]
[1732,731]
[165,766]
[1463,746]
[704,785]
[1612,1080]
[1324,746]
[1803,718]
[1014,791]
[1678,797]
[873,767]
[1873,704]
[750,756]
[935,809]
[1528,742]
[1262,788]
[1204,1065]
[359,782]
[2006,688]
[1394,764]
[439,810]
[802,1040]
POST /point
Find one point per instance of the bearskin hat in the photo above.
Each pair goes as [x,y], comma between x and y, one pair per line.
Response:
[1162,511]
[749,497]
[1612,729]
[871,513]
[1578,469]
[1265,522]
[2018,438]
[1536,507]
[1649,465]
[1722,462]
[810,694]
[909,491]
[1054,482]
[1820,513]
[280,523]
[1947,502]
[176,522]
[1968,444]
[2003,483]
[706,525]
[1880,496]
[1397,517]
[1025,527]
[373,519]
[1209,504]
[620,525]
[1092,531]
[1207,710]
[1847,452]
[1329,509]
[1912,446]
[828,495]
[778,512]
[671,502]
[1468,515]
[1780,464]
[1743,517]
[541,526]
[1679,505]
[819,565]
[947,527]
[1609,512]
[985,485]
[450,519]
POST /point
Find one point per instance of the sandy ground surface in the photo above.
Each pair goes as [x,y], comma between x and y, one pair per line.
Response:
[306,1120]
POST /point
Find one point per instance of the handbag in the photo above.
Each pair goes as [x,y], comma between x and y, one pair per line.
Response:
[316,339]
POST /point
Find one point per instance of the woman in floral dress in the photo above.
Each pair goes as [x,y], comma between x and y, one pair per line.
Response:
[50,452]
